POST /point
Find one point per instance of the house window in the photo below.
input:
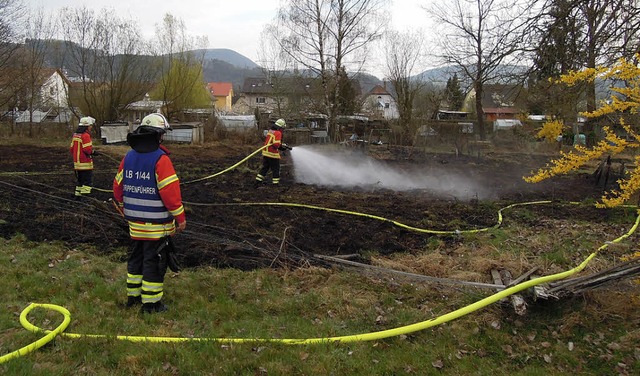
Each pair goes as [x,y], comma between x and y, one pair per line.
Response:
[261,100]
[386,105]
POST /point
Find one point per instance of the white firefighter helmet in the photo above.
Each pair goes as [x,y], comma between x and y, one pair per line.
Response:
[157,121]
[281,123]
[86,121]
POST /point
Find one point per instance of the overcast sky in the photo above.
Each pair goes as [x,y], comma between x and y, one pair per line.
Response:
[227,24]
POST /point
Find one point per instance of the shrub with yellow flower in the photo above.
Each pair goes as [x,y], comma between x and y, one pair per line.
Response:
[627,100]
[551,130]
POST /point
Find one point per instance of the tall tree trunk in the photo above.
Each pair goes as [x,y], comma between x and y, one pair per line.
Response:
[591,85]
[479,111]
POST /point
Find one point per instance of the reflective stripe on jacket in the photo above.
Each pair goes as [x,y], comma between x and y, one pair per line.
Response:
[81,149]
[142,200]
[274,137]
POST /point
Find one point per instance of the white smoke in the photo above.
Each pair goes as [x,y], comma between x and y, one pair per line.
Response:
[332,168]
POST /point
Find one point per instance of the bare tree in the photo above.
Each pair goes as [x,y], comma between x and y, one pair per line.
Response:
[108,59]
[276,66]
[38,30]
[480,37]
[181,56]
[610,31]
[403,52]
[429,99]
[325,35]
[11,16]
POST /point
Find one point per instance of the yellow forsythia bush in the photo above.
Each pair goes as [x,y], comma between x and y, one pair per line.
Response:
[551,130]
[628,100]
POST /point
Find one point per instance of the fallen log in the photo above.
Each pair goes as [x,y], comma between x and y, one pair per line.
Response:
[446,281]
[625,270]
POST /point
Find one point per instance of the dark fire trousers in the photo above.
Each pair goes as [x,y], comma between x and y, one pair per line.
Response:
[144,277]
[272,164]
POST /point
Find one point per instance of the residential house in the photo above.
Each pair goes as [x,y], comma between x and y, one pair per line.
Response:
[498,102]
[47,101]
[54,89]
[257,93]
[134,112]
[222,93]
[291,94]
[379,103]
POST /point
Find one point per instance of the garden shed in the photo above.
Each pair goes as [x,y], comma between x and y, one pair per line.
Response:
[114,132]
[238,121]
[499,124]
[187,132]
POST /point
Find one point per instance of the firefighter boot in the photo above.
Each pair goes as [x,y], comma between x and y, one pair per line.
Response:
[156,307]
[133,300]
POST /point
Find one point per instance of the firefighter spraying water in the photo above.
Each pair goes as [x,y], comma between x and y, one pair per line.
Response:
[273,145]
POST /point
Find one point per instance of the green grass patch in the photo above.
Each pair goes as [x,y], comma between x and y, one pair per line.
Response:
[220,304]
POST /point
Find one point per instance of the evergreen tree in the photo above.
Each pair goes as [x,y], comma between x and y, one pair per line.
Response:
[558,52]
[455,96]
[346,103]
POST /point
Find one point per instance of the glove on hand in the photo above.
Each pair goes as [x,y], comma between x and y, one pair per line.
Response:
[167,257]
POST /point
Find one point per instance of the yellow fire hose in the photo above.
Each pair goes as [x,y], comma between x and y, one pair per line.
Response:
[228,168]
[50,334]
[371,216]
[210,176]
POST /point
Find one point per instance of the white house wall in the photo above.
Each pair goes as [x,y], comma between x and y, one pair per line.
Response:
[377,103]
[54,92]
[392,111]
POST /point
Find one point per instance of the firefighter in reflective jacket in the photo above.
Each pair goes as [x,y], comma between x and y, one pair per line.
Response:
[82,152]
[271,153]
[147,189]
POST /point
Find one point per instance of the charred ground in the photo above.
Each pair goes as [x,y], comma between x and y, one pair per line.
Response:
[37,201]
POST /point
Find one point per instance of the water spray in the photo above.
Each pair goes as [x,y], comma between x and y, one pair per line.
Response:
[333,168]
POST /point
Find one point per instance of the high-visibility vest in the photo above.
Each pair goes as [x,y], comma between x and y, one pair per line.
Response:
[142,200]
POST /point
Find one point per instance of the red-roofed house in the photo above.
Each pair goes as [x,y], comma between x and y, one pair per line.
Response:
[499,101]
[222,93]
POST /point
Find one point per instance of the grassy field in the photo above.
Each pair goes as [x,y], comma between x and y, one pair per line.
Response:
[594,334]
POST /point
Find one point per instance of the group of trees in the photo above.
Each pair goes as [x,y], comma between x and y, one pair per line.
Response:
[575,35]
[106,57]
[481,38]
[326,39]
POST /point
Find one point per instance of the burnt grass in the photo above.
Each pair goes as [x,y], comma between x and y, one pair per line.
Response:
[37,185]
